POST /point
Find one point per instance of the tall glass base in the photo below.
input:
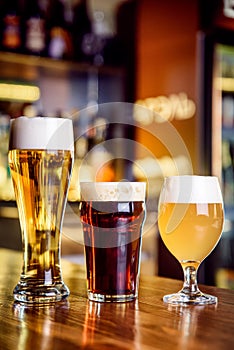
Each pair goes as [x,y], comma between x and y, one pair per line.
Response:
[40,293]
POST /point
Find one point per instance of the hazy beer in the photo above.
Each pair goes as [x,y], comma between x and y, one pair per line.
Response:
[112,225]
[41,165]
[190,220]
[190,231]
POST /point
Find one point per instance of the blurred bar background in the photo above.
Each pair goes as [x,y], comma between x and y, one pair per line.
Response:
[149,86]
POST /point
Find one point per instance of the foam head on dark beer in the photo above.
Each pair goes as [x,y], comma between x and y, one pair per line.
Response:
[112,191]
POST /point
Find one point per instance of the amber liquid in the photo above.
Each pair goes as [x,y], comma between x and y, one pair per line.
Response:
[112,236]
[41,180]
[190,231]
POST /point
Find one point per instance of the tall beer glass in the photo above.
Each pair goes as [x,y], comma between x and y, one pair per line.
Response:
[190,222]
[41,159]
[112,214]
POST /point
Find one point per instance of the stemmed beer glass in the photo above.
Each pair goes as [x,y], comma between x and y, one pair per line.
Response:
[190,220]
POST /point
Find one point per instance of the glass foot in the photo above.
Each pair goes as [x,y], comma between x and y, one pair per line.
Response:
[190,299]
[40,294]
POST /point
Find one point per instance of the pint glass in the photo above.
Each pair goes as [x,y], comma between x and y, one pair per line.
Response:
[41,159]
[112,215]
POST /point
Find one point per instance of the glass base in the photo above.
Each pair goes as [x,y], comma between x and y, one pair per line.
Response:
[40,294]
[110,298]
[190,299]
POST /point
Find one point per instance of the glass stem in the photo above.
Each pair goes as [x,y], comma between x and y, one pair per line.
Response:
[190,278]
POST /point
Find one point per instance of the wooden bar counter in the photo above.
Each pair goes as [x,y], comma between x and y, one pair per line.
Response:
[79,324]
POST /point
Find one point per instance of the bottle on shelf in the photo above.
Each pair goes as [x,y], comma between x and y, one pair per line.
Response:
[34,28]
[81,29]
[60,43]
[11,26]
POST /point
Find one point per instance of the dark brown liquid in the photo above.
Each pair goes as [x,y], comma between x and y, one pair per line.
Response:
[112,236]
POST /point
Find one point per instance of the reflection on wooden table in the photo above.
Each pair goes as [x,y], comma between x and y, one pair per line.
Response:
[144,324]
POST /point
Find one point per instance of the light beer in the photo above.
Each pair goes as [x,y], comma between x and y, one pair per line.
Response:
[41,180]
[113,236]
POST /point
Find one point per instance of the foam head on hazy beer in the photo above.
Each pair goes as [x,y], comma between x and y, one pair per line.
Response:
[41,133]
[113,191]
[190,189]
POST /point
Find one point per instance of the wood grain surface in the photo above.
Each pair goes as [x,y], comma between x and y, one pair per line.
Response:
[79,324]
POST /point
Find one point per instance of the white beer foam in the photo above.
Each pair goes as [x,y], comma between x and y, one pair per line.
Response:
[191,189]
[41,133]
[113,191]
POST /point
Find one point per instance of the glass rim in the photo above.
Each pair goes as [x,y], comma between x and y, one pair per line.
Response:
[191,176]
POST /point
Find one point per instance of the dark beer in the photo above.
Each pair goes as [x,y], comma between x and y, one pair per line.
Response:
[112,237]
